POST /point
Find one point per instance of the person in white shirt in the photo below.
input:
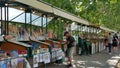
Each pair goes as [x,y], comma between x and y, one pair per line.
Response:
[110,41]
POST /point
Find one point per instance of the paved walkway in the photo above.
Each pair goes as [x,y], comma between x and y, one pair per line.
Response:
[99,60]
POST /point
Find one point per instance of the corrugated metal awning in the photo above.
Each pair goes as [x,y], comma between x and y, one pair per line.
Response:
[36,4]
[40,5]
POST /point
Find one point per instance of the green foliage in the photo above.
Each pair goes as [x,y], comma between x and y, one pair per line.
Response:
[99,12]
[57,27]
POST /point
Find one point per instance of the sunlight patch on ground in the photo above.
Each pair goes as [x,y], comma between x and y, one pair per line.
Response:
[113,60]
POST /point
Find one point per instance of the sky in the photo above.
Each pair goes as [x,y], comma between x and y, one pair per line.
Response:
[14,12]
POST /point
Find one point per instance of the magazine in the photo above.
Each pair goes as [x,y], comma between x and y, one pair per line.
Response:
[14,63]
[35,60]
[40,57]
[14,53]
[47,57]
[54,56]
[60,54]
[2,54]
[3,64]
[8,63]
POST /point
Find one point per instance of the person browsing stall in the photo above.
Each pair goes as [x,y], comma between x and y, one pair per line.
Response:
[70,41]
[110,42]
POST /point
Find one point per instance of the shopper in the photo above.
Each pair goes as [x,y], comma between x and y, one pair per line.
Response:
[80,45]
[86,45]
[118,34]
[110,41]
[106,45]
[70,41]
[115,42]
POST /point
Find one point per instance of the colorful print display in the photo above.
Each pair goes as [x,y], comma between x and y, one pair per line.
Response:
[13,63]
[57,54]
[45,56]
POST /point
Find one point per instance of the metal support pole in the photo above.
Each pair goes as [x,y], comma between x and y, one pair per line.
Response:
[1,19]
[58,31]
[46,25]
[30,24]
[35,19]
[25,20]
[54,26]
[7,20]
[16,16]
[42,22]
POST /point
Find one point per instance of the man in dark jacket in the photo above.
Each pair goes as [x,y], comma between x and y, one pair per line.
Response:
[70,41]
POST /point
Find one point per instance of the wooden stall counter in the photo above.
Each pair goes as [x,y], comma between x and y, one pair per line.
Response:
[23,49]
[55,43]
[42,44]
[14,45]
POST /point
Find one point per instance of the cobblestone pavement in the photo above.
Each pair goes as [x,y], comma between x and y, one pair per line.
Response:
[99,60]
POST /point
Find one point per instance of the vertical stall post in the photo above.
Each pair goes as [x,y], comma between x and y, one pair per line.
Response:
[5,18]
[54,26]
[1,17]
[30,23]
[42,22]
[7,14]
[46,24]
[25,19]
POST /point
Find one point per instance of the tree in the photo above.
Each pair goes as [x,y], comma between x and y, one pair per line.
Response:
[99,12]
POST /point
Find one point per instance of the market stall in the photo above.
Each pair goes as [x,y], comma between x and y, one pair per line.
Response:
[21,19]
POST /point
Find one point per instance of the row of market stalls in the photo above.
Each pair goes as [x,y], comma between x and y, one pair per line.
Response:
[26,31]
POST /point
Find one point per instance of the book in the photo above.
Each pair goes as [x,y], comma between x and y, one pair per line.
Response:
[20,62]
[22,52]
[60,54]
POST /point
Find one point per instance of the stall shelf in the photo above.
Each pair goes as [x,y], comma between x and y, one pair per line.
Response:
[15,45]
